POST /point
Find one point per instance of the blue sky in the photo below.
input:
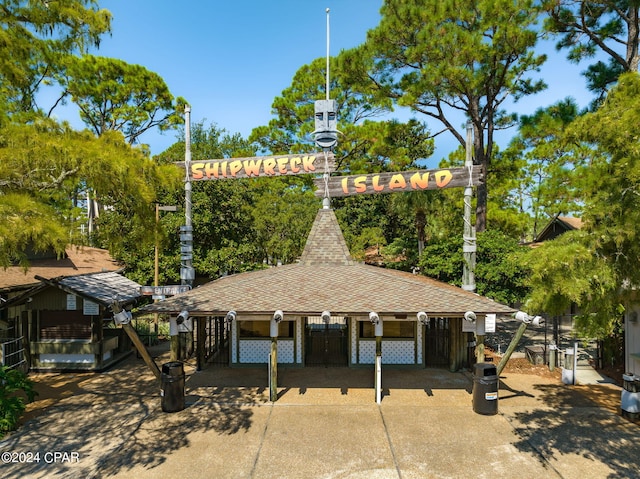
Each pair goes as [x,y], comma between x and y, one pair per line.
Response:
[230,59]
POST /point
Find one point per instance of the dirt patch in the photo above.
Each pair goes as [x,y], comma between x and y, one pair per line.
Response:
[613,372]
[523,366]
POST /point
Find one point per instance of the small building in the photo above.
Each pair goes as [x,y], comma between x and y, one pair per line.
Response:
[327,280]
[557,226]
[63,322]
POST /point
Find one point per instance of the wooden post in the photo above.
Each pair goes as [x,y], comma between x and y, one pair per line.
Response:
[480,348]
[457,346]
[200,342]
[512,346]
[273,370]
[27,327]
[175,347]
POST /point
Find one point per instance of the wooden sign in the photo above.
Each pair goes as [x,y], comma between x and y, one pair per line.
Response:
[403,181]
[233,168]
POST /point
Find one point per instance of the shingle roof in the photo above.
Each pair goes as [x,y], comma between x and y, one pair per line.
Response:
[102,288]
[326,278]
[325,243]
[557,226]
[77,260]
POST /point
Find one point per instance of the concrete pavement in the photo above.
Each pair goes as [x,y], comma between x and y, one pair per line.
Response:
[325,424]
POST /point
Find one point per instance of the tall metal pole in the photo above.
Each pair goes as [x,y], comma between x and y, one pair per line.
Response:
[156,267]
[327,84]
[187,274]
[469,234]
[469,239]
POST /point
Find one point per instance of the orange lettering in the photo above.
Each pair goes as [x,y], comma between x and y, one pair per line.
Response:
[252,167]
[211,169]
[234,167]
[196,171]
[443,178]
[345,188]
[420,181]
[307,163]
[375,180]
[295,161]
[269,165]
[282,165]
[397,181]
[223,169]
[360,183]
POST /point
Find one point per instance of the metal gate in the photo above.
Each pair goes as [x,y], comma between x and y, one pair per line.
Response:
[216,345]
[326,344]
[437,342]
[12,353]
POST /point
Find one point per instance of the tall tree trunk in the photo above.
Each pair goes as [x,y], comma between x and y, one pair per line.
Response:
[421,223]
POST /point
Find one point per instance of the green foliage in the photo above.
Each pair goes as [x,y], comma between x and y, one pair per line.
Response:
[114,95]
[439,57]
[539,182]
[369,236]
[587,28]
[39,34]
[568,271]
[15,391]
[365,145]
[362,219]
[46,169]
[499,273]
[610,178]
[282,214]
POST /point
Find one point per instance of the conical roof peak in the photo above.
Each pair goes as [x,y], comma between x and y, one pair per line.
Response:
[325,243]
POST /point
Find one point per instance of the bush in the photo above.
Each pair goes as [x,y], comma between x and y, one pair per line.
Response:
[14,387]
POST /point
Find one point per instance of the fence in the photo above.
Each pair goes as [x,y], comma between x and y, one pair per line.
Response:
[12,353]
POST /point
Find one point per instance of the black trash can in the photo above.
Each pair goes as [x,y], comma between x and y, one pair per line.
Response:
[485,389]
[172,388]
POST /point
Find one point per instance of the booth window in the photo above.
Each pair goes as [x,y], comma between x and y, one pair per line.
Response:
[391,329]
[262,329]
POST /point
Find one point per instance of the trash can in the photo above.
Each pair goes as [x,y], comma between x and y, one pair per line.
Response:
[630,400]
[172,387]
[485,389]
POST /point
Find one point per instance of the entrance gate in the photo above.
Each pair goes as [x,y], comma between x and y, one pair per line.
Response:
[437,342]
[326,343]
[216,345]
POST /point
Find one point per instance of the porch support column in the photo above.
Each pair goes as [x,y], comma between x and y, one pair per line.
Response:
[273,370]
[200,342]
[457,347]
[273,356]
[378,330]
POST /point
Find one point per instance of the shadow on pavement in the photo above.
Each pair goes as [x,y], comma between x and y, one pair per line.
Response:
[114,421]
[574,422]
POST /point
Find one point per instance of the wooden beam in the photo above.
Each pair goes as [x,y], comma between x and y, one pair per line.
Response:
[236,168]
[402,181]
[135,339]
[512,346]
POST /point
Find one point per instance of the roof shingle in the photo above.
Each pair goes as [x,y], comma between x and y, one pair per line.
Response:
[327,278]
